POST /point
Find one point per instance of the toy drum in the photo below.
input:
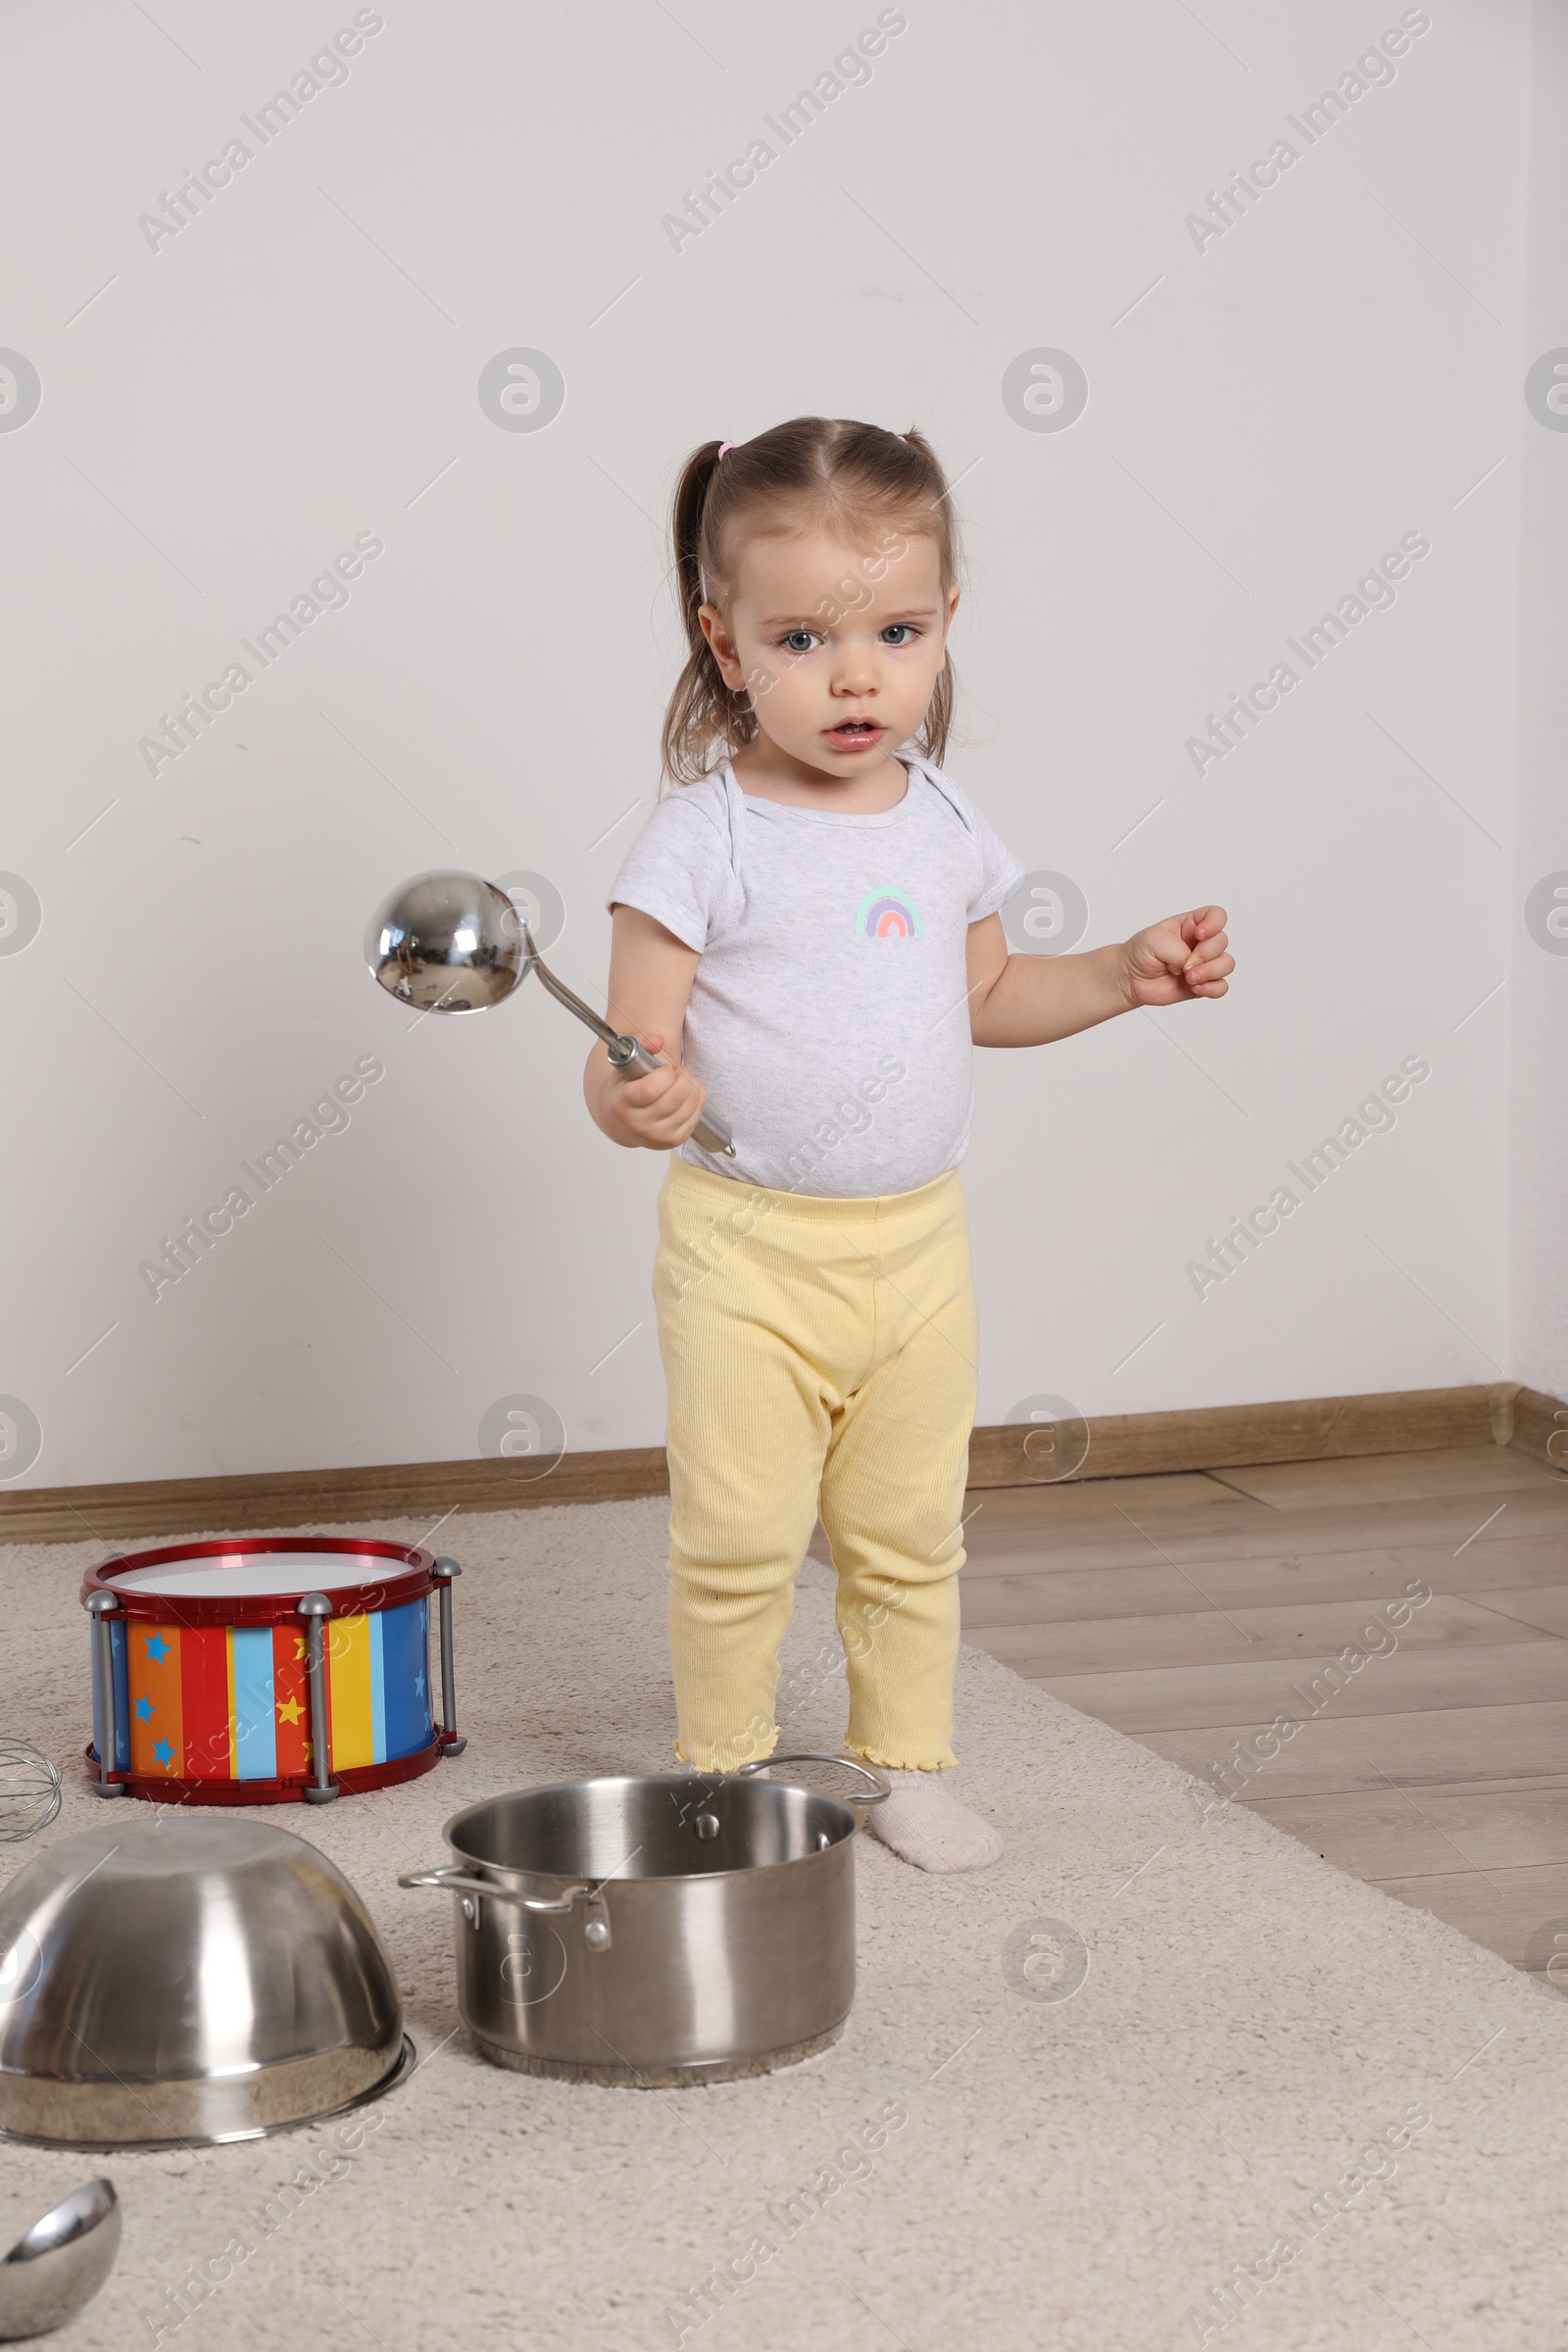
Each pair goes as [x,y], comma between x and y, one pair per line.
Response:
[261,1671]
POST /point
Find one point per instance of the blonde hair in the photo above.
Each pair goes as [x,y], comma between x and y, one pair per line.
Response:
[851,475]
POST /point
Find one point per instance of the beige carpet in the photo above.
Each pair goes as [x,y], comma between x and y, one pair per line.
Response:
[1252,2031]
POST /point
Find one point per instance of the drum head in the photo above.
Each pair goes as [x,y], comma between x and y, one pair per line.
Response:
[228,1575]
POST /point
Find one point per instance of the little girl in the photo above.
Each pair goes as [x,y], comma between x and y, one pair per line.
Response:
[809,925]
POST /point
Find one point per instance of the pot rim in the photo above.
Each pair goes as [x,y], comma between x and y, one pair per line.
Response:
[506,1872]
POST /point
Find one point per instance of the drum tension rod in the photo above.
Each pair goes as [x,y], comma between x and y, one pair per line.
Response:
[100,1609]
[444,1570]
[315,1607]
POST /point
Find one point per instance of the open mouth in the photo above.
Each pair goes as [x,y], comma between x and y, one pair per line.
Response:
[854,734]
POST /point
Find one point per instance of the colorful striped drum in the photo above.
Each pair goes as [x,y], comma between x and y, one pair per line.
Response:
[259,1671]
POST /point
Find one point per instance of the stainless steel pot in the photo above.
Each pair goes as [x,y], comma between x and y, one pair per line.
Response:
[187,1979]
[658,1929]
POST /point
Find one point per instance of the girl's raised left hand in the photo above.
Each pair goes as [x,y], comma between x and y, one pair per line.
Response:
[1173,962]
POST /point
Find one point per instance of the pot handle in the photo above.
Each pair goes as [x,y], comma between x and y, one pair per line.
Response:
[880,1790]
[458,1882]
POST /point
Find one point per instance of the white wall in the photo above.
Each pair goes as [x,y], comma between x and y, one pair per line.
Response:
[1539,944]
[299,364]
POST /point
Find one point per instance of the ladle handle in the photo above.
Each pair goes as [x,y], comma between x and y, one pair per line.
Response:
[636,1063]
[625,1054]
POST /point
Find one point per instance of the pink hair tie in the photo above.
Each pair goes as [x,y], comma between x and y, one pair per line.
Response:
[722,448]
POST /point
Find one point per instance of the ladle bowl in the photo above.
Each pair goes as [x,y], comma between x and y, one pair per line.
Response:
[448,943]
[60,2263]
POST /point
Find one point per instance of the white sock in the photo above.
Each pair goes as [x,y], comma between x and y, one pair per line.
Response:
[928,1827]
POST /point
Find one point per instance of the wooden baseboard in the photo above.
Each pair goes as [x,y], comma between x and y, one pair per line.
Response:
[284,1498]
[1116,1445]
[1539,1427]
[1227,1436]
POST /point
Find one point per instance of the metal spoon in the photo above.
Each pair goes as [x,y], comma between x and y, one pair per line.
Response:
[447,941]
[61,2263]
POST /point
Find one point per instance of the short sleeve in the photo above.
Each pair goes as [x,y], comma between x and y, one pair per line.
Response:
[1001,872]
[678,869]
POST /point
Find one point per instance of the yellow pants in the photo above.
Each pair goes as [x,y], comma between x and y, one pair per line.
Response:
[819,1355]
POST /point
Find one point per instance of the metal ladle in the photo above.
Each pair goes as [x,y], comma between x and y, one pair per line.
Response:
[60,2263]
[447,941]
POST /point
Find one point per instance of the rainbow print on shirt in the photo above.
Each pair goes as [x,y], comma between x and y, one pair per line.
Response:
[887,913]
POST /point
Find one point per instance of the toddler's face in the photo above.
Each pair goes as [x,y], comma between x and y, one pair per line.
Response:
[838,647]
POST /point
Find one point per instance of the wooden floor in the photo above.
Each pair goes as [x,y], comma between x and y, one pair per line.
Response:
[1192,1611]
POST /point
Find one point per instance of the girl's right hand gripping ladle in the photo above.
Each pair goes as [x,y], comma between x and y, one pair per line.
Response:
[453,942]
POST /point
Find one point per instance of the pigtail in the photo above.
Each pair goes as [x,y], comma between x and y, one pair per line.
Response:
[936,726]
[702,711]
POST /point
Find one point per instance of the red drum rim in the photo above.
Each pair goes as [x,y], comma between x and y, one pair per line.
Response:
[349,1780]
[411,1580]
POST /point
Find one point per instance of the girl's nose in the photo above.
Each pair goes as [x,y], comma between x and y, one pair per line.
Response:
[856,675]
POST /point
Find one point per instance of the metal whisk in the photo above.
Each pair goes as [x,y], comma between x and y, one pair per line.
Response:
[29,1790]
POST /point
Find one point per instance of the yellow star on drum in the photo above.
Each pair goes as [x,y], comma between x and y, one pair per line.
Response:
[289,1710]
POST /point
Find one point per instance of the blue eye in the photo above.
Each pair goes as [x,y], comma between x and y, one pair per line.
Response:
[799,641]
[899,633]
